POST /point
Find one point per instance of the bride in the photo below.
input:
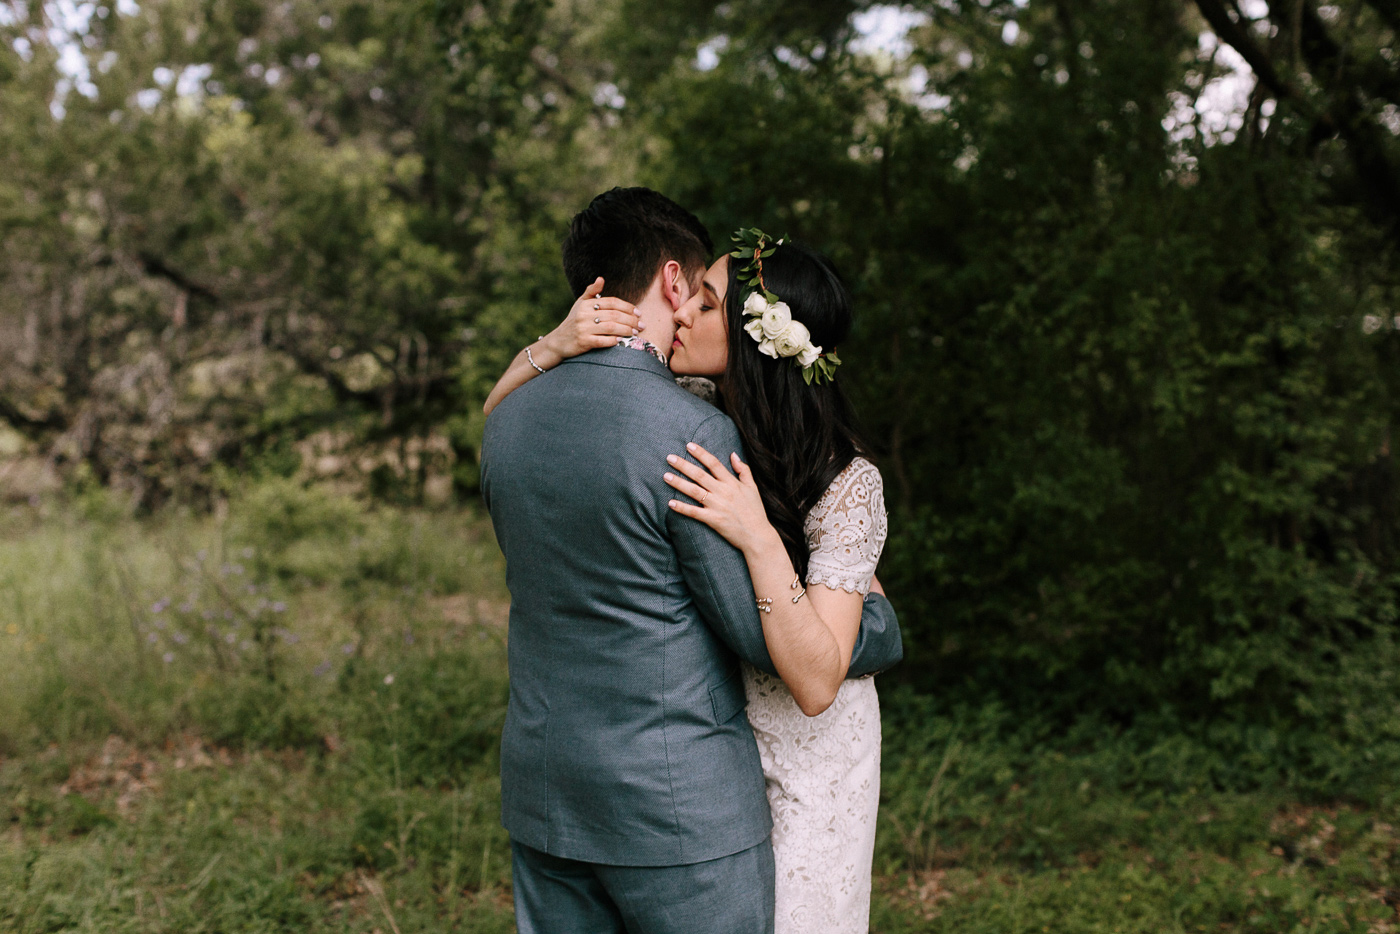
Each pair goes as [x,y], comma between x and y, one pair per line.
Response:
[807,512]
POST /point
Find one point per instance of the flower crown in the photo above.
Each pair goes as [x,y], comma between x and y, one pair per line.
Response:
[778,335]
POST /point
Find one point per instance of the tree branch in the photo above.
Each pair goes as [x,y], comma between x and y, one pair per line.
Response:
[1388,11]
[1351,117]
[1324,54]
[339,388]
[1238,38]
[155,266]
[29,426]
[1346,113]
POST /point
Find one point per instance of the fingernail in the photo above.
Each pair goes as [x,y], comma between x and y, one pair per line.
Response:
[672,504]
[669,476]
[642,325]
[691,446]
[671,458]
[634,332]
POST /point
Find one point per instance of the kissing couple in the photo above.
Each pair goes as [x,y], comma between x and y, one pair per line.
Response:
[674,564]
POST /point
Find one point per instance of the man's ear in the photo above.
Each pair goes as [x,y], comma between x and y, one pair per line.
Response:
[674,287]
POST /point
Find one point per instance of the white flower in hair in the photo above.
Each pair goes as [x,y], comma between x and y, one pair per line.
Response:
[777,317]
[793,340]
[771,324]
[755,304]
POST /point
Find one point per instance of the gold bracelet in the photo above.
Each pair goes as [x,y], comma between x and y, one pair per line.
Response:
[796,583]
[765,604]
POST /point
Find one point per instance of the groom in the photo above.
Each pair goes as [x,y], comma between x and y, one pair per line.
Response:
[630,779]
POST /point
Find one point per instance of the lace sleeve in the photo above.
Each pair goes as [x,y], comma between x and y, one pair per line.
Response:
[847,528]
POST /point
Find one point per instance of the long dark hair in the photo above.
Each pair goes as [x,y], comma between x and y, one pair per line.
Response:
[797,437]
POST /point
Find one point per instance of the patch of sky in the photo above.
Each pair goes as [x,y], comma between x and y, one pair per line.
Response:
[707,55]
[191,80]
[1010,31]
[884,29]
[73,65]
[1218,110]
[1390,119]
[916,86]
[792,58]
[608,94]
[67,31]
[67,16]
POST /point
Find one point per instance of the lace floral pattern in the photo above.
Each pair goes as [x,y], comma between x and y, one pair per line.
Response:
[847,528]
[823,773]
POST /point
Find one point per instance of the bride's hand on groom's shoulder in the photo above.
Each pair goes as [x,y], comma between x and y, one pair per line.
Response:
[594,321]
[727,502]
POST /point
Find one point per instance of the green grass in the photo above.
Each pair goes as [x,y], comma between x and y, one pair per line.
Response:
[332,766]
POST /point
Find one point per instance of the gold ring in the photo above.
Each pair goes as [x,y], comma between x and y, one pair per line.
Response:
[702,495]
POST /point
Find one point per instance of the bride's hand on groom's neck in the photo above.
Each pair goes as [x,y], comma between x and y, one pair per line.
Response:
[594,322]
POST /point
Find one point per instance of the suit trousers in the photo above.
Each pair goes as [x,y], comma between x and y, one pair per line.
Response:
[729,895]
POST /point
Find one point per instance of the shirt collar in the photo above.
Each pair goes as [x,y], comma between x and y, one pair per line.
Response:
[637,343]
[624,357]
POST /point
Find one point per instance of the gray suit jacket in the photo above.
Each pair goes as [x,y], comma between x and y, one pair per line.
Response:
[625,741]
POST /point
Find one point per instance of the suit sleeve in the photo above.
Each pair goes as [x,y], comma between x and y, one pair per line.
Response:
[714,570]
[879,644]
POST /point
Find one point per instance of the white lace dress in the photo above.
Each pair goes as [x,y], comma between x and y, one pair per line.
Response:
[823,772]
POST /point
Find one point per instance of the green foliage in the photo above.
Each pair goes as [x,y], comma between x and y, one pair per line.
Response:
[1134,434]
[143,796]
[1106,831]
[370,746]
[1130,376]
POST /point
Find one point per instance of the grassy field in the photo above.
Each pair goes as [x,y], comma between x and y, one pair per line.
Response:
[286,717]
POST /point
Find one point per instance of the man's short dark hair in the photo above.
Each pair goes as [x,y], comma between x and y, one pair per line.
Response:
[624,235]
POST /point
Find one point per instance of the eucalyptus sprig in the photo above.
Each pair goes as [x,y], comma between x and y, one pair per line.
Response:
[754,248]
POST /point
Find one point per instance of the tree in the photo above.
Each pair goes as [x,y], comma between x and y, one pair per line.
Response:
[269,221]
